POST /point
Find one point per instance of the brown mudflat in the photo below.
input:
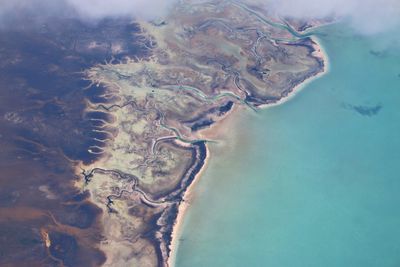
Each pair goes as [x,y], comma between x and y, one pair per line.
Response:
[44,132]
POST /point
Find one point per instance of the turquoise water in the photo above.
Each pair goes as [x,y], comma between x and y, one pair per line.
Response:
[312,182]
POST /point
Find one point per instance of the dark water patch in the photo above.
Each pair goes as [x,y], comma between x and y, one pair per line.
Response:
[81,196]
[100,135]
[84,155]
[304,42]
[377,53]
[202,120]
[225,108]
[100,100]
[202,124]
[364,110]
[98,115]
[98,124]
[96,143]
[97,94]
[257,100]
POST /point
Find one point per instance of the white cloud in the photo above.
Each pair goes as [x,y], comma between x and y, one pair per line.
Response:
[103,8]
[86,9]
[367,16]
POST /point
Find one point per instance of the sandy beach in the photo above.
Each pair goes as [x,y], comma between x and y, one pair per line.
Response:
[182,211]
[221,129]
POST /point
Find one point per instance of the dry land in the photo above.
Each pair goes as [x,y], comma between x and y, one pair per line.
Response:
[205,58]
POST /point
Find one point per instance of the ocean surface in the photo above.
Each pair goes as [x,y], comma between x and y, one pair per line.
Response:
[314,181]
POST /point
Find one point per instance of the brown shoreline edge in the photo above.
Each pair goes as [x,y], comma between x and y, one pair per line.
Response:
[159,107]
[192,174]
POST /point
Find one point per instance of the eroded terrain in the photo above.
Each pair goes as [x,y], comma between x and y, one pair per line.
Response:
[44,219]
[206,57]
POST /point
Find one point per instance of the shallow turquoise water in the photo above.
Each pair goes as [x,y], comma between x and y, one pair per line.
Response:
[312,182]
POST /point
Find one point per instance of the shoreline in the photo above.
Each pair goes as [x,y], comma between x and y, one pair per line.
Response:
[320,53]
[211,132]
[182,209]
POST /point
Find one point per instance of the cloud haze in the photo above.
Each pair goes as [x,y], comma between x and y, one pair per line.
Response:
[104,8]
[84,9]
[367,16]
